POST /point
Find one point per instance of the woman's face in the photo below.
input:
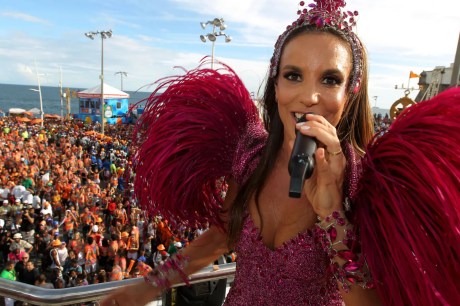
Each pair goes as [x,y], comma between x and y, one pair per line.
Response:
[313,74]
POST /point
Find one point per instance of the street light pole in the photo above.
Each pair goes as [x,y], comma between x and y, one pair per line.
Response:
[122,73]
[41,108]
[40,94]
[60,92]
[375,100]
[102,85]
[104,35]
[212,46]
[213,35]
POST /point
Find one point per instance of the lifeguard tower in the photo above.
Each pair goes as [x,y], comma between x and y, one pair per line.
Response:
[116,104]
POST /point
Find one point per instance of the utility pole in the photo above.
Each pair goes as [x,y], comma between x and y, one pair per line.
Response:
[122,73]
[40,95]
[60,91]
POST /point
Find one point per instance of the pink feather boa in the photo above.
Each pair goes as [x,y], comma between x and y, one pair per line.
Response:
[408,205]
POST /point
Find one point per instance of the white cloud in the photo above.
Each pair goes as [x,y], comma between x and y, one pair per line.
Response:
[24,17]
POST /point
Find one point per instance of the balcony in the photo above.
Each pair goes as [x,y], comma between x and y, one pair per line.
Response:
[34,295]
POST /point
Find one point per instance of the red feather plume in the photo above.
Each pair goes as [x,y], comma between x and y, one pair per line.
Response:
[408,205]
[187,139]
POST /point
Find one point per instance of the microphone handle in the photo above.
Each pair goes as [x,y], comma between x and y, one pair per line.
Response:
[301,163]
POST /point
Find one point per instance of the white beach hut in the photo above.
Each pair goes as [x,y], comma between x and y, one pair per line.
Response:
[116,104]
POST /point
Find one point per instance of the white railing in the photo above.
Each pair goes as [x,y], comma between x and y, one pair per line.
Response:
[66,296]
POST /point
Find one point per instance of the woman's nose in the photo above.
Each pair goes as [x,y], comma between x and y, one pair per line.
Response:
[309,95]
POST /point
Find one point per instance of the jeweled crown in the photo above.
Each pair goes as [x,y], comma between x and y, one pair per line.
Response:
[320,14]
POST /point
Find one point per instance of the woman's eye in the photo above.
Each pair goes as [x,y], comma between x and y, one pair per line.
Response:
[292,76]
[331,80]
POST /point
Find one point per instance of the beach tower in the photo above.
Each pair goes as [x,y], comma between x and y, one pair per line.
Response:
[116,104]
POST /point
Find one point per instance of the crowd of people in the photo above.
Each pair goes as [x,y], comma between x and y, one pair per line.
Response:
[381,123]
[67,215]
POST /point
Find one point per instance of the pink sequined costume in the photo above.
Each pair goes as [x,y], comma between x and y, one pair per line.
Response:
[292,274]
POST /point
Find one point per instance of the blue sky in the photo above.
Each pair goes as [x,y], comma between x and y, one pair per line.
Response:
[151,37]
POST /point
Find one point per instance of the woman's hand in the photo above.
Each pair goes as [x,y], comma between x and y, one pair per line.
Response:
[324,188]
[132,295]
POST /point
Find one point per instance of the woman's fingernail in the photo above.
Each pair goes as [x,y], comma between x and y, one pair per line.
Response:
[300,124]
[305,127]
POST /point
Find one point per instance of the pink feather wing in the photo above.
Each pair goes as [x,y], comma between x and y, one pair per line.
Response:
[187,138]
[408,205]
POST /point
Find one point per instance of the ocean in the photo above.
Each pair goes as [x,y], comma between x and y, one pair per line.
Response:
[20,96]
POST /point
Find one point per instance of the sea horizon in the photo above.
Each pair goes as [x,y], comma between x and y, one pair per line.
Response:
[26,97]
[21,96]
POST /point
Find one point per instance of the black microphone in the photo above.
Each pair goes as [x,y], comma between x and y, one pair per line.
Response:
[302,161]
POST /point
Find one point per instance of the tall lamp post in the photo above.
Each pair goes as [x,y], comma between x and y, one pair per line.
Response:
[39,90]
[61,94]
[122,73]
[104,35]
[216,23]
[41,104]
[375,100]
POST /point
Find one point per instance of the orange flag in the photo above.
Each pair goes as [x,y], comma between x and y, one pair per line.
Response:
[413,75]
